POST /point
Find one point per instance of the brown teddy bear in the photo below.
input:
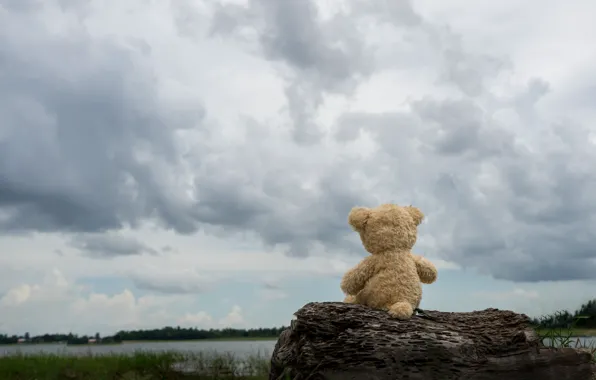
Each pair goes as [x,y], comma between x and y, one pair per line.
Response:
[390,277]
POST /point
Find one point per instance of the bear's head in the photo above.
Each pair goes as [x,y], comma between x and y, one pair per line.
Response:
[385,228]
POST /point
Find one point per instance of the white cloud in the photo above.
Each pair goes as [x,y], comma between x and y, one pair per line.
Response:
[18,295]
[238,134]
[234,318]
[197,319]
[58,305]
[202,319]
[189,270]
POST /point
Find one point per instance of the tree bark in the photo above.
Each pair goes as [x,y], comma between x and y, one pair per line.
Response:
[340,341]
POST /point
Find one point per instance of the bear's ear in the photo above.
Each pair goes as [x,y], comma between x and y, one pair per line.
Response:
[416,214]
[358,217]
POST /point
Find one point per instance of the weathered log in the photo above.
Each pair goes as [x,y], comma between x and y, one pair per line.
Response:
[340,341]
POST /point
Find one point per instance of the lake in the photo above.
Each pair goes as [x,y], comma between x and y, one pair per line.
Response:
[238,348]
[580,342]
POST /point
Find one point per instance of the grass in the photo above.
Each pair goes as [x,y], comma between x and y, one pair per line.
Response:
[171,365]
[141,365]
[568,337]
[575,332]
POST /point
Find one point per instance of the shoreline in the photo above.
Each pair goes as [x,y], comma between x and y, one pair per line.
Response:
[251,339]
[140,365]
[205,340]
[573,333]
[146,365]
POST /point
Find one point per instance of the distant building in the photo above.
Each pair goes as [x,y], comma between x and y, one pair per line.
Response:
[92,341]
[21,340]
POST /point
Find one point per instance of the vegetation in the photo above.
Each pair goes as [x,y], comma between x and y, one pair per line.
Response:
[583,321]
[140,365]
[170,333]
[163,334]
[565,336]
[563,329]
[557,330]
[580,323]
[143,365]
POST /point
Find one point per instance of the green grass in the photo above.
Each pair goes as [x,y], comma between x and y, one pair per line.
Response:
[568,337]
[141,366]
[144,365]
[575,332]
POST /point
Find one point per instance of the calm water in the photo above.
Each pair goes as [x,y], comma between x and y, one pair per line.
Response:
[583,342]
[238,348]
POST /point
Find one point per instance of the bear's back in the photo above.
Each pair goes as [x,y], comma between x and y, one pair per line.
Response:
[396,279]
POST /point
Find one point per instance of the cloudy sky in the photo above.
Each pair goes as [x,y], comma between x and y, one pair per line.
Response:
[193,163]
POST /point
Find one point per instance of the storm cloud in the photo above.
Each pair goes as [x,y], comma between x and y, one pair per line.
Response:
[92,140]
[106,246]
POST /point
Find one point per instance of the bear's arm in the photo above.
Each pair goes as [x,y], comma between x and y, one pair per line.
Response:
[426,270]
[355,279]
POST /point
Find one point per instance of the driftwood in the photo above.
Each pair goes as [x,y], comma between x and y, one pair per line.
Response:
[340,341]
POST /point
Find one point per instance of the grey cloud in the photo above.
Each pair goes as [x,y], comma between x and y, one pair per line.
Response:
[109,245]
[460,67]
[468,71]
[271,285]
[271,202]
[496,206]
[459,122]
[399,12]
[168,249]
[180,283]
[290,32]
[169,288]
[326,56]
[84,138]
[516,202]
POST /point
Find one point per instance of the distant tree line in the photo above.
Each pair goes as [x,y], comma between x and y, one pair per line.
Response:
[165,333]
[584,317]
[57,338]
[178,333]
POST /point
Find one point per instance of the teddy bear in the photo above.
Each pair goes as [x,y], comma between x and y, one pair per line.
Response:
[390,278]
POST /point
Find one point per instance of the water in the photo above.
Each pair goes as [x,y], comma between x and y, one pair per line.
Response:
[241,348]
[579,342]
[237,348]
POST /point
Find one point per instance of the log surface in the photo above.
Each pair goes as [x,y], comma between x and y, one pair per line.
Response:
[340,341]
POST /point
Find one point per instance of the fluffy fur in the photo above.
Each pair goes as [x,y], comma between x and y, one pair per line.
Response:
[390,277]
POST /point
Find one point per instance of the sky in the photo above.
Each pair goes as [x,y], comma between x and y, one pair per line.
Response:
[193,163]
